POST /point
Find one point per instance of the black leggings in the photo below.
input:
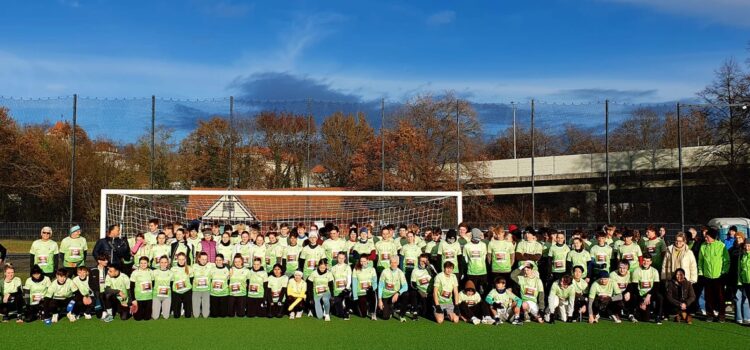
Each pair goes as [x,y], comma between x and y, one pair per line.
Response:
[219,306]
[111,302]
[182,301]
[33,312]
[144,310]
[255,307]
[606,306]
[237,306]
[299,307]
[366,303]
[55,306]
[338,305]
[276,310]
[15,303]
[79,308]
[389,308]
[656,305]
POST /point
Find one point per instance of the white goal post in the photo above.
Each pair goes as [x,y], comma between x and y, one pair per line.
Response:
[131,209]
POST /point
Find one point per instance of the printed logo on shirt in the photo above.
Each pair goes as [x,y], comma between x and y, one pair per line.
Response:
[291,257]
[218,285]
[500,256]
[390,287]
[201,282]
[268,261]
[645,284]
[340,283]
[628,256]
[146,286]
[163,291]
[409,262]
[601,258]
[445,294]
[622,286]
[651,249]
[476,254]
[36,298]
[385,256]
[254,288]
[311,263]
[179,285]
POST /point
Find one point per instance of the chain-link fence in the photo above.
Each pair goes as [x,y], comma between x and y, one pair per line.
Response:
[591,163]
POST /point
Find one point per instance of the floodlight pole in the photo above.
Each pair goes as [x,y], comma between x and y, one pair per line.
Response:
[73,158]
[533,183]
[606,158]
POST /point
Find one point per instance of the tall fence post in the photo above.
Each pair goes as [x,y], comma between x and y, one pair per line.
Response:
[515,153]
[382,144]
[679,161]
[153,137]
[458,147]
[533,183]
[73,158]
[606,159]
[230,183]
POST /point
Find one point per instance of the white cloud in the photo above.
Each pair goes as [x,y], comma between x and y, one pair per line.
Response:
[728,12]
[442,17]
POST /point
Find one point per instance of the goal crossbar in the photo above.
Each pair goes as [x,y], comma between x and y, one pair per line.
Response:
[281,193]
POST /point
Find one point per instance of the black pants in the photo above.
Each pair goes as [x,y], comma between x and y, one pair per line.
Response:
[111,302]
[55,306]
[309,302]
[656,306]
[219,306]
[338,305]
[237,306]
[255,307]
[182,301]
[477,310]
[714,289]
[299,307]
[79,308]
[605,306]
[15,303]
[419,304]
[276,310]
[580,301]
[366,303]
[144,310]
[33,312]
[390,309]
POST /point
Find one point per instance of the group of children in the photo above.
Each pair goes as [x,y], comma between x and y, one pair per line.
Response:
[405,273]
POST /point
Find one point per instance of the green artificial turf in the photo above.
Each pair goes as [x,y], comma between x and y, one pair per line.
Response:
[364,334]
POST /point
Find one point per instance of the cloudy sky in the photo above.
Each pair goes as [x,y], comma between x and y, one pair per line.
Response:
[489,51]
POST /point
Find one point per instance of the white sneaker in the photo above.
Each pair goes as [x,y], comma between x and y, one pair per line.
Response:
[291,316]
[299,314]
[615,319]
[475,320]
[54,318]
[487,320]
[87,316]
[546,318]
[309,314]
[327,318]
[71,317]
[374,317]
[596,319]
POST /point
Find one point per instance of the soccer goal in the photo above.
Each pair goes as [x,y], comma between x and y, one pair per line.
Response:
[131,209]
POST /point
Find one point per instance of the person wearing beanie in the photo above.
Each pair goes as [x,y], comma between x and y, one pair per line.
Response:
[471,307]
[44,253]
[36,286]
[475,255]
[73,249]
[449,250]
[604,297]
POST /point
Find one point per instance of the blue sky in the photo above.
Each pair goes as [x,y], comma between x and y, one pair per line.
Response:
[490,51]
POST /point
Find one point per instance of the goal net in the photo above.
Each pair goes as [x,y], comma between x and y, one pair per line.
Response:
[132,209]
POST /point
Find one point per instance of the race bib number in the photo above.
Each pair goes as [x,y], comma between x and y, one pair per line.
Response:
[201,282]
[529,291]
[246,260]
[364,285]
[645,285]
[424,281]
[385,256]
[340,283]
[234,287]
[36,298]
[601,258]
[622,286]
[651,249]
[218,285]
[500,256]
[179,285]
[445,294]
[628,256]
[470,302]
[275,295]
[559,263]
[75,252]
[291,258]
[389,287]
[163,291]
[146,287]
[321,289]
[42,260]
[254,288]
[450,254]
[311,264]
[476,254]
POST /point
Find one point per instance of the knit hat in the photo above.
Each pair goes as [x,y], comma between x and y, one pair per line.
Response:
[469,285]
[476,234]
[74,229]
[603,274]
[36,269]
